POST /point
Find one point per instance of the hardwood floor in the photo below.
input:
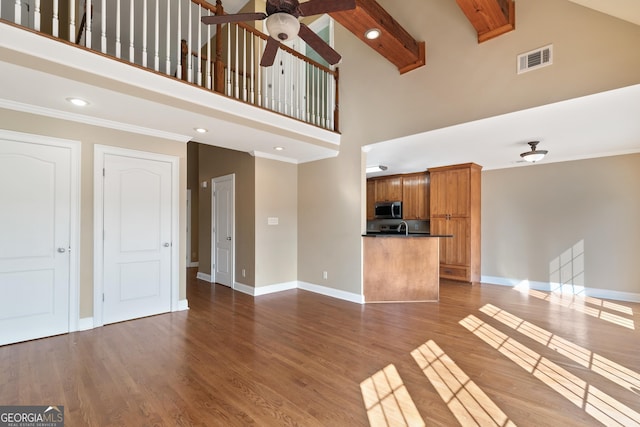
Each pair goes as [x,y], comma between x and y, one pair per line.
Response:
[485,354]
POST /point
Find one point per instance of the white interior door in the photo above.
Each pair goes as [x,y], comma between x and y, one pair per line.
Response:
[35,227]
[137,211]
[223,229]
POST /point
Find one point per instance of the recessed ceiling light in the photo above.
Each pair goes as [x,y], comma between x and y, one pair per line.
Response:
[78,101]
[372,33]
[278,148]
[200,130]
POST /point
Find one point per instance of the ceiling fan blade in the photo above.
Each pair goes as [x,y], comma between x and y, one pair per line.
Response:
[238,17]
[319,45]
[316,7]
[270,51]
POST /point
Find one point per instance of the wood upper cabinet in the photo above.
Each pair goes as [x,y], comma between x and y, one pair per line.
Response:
[389,189]
[415,196]
[455,209]
[371,199]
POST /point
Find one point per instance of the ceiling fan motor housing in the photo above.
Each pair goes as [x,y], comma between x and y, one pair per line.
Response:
[283,6]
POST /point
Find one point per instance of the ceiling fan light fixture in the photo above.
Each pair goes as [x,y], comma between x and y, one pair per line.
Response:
[534,155]
[372,33]
[283,26]
[376,168]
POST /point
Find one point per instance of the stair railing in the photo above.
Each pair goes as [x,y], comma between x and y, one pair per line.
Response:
[167,36]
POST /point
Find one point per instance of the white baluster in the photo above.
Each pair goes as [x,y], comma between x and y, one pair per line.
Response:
[189,44]
[132,57]
[145,19]
[36,16]
[198,26]
[244,64]
[72,21]
[18,12]
[118,31]
[87,33]
[228,71]
[237,82]
[209,58]
[168,31]
[253,70]
[103,29]
[56,18]
[179,32]
[156,61]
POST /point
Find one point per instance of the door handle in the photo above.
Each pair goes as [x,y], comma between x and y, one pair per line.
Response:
[166,244]
[229,238]
[61,250]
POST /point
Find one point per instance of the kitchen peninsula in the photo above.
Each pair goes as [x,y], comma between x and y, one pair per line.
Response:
[401,268]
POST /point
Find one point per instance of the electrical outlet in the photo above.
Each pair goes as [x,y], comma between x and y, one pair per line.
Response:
[325,275]
[244,273]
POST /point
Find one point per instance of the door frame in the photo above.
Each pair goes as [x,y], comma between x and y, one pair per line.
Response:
[74,220]
[99,153]
[232,177]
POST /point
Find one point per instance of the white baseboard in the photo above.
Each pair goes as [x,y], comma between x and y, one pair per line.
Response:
[85,323]
[557,287]
[264,290]
[183,304]
[193,264]
[204,276]
[330,292]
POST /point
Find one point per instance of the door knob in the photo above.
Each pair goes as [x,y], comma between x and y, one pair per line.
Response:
[166,244]
[229,238]
[62,250]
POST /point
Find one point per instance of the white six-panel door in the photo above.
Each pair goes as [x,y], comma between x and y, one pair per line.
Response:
[223,230]
[137,260]
[37,196]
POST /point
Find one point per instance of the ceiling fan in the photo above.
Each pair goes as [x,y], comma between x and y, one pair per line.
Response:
[283,25]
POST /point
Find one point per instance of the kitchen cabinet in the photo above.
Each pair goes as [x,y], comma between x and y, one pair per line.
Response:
[415,196]
[371,199]
[388,189]
[455,209]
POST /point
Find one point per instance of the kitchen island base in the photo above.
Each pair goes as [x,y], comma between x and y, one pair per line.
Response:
[401,269]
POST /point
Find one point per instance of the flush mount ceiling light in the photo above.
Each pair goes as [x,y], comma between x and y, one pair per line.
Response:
[377,168]
[200,130]
[78,102]
[372,33]
[283,26]
[534,155]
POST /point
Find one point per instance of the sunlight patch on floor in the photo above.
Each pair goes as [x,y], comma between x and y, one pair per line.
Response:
[596,403]
[467,402]
[387,400]
[614,372]
[580,303]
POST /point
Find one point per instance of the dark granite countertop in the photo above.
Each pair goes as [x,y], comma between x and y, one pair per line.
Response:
[387,234]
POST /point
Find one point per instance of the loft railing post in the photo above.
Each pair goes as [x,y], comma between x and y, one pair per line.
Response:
[218,69]
[336,108]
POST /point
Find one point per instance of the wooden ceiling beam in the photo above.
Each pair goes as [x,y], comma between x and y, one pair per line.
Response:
[394,43]
[490,18]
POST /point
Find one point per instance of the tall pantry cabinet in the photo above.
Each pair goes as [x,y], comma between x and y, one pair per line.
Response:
[455,209]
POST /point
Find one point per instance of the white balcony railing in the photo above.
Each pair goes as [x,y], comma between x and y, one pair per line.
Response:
[167,36]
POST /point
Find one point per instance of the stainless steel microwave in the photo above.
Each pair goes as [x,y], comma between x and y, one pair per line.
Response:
[388,210]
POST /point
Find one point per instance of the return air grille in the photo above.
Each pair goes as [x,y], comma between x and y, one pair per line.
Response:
[535,59]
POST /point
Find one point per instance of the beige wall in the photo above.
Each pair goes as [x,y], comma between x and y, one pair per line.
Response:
[89,136]
[216,162]
[193,185]
[582,215]
[462,81]
[276,245]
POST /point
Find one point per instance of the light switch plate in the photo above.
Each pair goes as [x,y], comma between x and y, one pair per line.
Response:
[272,220]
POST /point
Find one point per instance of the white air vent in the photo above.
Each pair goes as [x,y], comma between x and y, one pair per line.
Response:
[535,59]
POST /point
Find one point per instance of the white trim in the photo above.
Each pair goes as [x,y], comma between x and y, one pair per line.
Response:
[80,118]
[183,304]
[193,264]
[204,276]
[265,290]
[330,292]
[85,324]
[74,220]
[98,221]
[557,287]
